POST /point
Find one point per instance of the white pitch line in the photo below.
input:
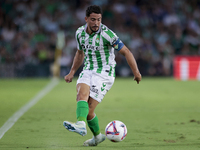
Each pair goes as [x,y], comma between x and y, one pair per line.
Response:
[11,121]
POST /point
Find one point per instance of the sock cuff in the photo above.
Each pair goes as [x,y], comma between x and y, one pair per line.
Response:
[82,103]
[91,119]
[94,121]
[94,125]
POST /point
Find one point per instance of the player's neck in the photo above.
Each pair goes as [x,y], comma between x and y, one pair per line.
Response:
[89,31]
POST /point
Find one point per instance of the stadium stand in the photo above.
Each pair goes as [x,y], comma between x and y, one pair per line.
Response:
[155,31]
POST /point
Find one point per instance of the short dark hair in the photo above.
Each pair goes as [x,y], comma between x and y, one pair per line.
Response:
[93,9]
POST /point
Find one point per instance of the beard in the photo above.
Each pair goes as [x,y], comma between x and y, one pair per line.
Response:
[94,30]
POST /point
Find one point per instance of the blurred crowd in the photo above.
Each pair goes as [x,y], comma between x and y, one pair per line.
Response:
[154,30]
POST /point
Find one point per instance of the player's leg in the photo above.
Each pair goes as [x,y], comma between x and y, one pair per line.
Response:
[81,111]
[83,91]
[93,124]
[92,119]
[100,85]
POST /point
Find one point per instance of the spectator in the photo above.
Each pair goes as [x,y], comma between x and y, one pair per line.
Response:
[155,31]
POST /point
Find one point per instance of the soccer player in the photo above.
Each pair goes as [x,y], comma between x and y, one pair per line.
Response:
[96,44]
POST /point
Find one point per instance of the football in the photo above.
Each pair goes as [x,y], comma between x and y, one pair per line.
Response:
[116,131]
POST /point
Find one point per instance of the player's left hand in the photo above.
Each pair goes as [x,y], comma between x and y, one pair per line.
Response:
[137,77]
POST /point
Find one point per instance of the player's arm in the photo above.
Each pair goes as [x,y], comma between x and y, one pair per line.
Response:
[77,62]
[132,63]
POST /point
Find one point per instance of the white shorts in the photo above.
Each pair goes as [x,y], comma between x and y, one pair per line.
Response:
[99,84]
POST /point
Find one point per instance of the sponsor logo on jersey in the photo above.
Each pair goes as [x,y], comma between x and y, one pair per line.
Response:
[95,48]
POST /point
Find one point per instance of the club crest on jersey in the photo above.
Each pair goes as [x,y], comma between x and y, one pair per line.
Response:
[97,40]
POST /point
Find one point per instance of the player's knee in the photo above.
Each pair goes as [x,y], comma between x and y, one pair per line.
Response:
[82,96]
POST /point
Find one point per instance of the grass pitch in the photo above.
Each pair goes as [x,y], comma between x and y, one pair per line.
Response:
[160,114]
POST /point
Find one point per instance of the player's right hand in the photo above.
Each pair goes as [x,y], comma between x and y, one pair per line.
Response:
[68,78]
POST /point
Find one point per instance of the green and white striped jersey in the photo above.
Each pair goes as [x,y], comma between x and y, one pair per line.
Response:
[99,49]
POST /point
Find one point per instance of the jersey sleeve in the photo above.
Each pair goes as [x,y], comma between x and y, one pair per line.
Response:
[114,40]
[77,36]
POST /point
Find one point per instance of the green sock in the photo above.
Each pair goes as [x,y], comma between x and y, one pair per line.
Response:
[82,111]
[94,125]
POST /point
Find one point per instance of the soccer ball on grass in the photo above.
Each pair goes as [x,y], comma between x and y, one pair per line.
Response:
[116,131]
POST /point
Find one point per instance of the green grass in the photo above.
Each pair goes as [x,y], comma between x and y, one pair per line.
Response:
[160,114]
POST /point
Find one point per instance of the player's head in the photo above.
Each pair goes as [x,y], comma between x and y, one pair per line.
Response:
[93,17]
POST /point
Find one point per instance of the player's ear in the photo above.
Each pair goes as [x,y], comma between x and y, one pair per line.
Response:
[86,19]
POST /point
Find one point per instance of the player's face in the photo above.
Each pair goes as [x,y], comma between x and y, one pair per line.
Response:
[93,22]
